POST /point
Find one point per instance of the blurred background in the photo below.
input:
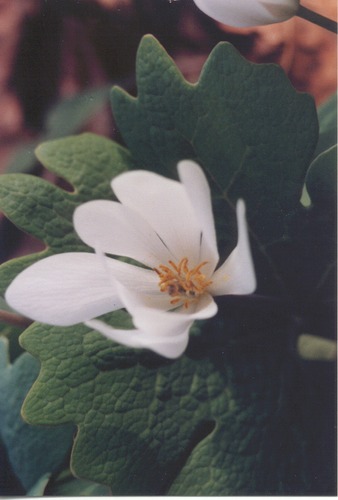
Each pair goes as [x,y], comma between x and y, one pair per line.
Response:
[59,58]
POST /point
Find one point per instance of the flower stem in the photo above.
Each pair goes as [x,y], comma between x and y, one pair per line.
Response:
[14,319]
[318,19]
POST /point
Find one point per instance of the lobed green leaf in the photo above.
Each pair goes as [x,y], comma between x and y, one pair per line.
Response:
[88,162]
[201,425]
[243,122]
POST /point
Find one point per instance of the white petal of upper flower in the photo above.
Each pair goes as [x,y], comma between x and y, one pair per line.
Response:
[244,13]
[117,229]
[63,290]
[160,331]
[166,207]
[237,274]
[198,191]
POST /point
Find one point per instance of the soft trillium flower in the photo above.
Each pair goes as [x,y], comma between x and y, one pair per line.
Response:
[245,13]
[165,225]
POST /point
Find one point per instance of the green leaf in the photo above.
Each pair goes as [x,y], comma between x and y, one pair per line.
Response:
[327,115]
[321,179]
[218,421]
[307,259]
[310,264]
[39,487]
[32,451]
[88,162]
[251,131]
[66,485]
[316,348]
[244,123]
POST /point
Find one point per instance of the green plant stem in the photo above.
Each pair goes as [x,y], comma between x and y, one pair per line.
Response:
[318,19]
[14,319]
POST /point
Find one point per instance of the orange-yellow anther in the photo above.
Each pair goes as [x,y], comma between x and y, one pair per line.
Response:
[183,284]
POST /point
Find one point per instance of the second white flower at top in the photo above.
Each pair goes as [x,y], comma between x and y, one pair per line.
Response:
[165,225]
[245,13]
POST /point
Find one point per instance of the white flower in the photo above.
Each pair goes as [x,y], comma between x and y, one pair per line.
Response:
[166,226]
[244,13]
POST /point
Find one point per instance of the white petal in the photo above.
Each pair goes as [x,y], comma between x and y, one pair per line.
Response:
[63,290]
[198,191]
[243,13]
[166,333]
[129,338]
[166,206]
[237,274]
[136,298]
[142,285]
[161,322]
[133,277]
[119,230]
[164,324]
[170,348]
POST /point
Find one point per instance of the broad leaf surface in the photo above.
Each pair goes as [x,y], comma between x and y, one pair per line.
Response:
[204,424]
[243,122]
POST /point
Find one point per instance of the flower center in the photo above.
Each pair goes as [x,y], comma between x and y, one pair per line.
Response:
[183,284]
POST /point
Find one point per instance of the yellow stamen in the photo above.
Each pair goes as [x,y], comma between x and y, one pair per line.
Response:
[183,284]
